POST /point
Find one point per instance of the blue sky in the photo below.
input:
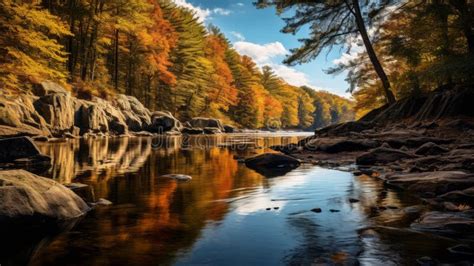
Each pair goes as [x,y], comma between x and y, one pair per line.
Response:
[256,32]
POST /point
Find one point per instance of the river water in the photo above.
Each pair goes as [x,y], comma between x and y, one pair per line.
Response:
[227,214]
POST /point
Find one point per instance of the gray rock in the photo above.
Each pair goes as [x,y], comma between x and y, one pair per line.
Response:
[162,122]
[58,110]
[383,155]
[192,131]
[137,116]
[23,195]
[203,122]
[430,148]
[452,223]
[177,177]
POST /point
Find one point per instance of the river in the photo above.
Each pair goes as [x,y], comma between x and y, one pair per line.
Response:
[227,214]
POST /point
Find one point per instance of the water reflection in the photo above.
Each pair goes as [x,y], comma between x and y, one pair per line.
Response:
[227,214]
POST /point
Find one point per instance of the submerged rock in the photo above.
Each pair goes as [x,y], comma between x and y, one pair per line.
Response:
[82,190]
[25,195]
[272,164]
[178,177]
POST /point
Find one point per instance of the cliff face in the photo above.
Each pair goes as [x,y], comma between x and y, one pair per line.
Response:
[52,111]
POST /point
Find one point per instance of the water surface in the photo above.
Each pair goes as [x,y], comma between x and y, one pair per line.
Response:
[221,216]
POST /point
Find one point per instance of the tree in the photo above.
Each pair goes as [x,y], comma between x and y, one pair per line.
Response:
[332,23]
[27,53]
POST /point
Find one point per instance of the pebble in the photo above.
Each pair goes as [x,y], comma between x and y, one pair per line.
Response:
[332,210]
[353,200]
[317,210]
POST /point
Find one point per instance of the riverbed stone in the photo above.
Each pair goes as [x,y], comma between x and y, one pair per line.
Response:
[383,155]
[451,223]
[272,164]
[25,195]
[437,182]
[430,148]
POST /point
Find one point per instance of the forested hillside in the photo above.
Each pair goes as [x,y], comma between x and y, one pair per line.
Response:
[157,52]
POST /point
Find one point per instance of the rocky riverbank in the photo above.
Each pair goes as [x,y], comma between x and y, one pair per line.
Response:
[50,111]
[423,145]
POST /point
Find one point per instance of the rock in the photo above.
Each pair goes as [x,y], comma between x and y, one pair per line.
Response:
[58,110]
[462,250]
[202,122]
[115,118]
[12,149]
[103,202]
[192,131]
[90,117]
[272,160]
[137,116]
[268,209]
[430,148]
[40,138]
[332,210]
[353,200]
[450,223]
[49,87]
[465,196]
[416,209]
[177,177]
[25,195]
[18,117]
[382,156]
[336,145]
[82,190]
[276,208]
[438,182]
[143,134]
[286,149]
[427,261]
[316,210]
[345,128]
[229,129]
[212,130]
[162,122]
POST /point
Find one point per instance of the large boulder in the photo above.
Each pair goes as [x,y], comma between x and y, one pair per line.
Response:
[383,155]
[163,122]
[48,87]
[24,195]
[136,115]
[18,117]
[202,122]
[272,164]
[12,149]
[115,118]
[90,117]
[58,110]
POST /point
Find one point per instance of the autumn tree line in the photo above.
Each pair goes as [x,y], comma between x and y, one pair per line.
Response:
[403,48]
[157,52]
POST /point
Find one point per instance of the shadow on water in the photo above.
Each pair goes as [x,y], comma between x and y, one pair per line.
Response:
[227,214]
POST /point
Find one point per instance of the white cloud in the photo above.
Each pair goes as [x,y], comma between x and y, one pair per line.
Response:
[261,54]
[202,13]
[267,54]
[290,75]
[221,11]
[238,35]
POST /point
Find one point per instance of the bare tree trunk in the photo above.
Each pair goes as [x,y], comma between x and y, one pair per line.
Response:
[465,14]
[371,52]
[116,60]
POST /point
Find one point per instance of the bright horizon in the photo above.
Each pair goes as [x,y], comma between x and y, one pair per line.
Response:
[256,33]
